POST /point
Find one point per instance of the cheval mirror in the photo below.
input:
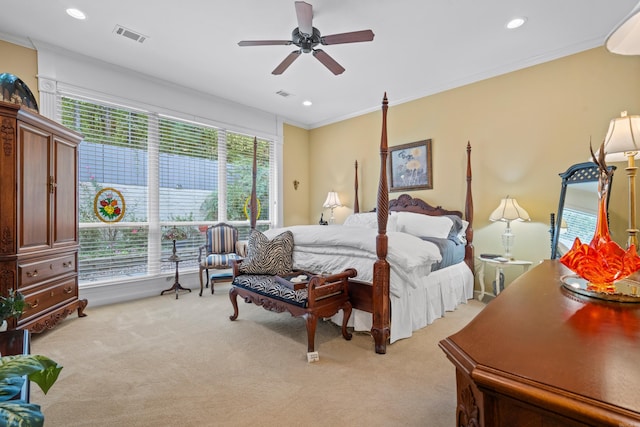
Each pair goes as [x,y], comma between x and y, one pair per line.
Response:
[577,208]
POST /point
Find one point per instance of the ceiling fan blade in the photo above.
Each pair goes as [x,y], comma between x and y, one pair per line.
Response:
[352,37]
[264,42]
[304,11]
[328,61]
[287,61]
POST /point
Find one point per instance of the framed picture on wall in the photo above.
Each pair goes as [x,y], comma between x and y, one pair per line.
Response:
[410,166]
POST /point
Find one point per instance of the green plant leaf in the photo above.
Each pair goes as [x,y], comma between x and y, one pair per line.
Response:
[10,388]
[39,369]
[18,413]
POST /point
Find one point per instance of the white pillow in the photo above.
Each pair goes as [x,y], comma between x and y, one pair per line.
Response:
[424,225]
[463,233]
[370,220]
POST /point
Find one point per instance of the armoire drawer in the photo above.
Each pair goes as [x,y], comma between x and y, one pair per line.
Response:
[43,298]
[35,271]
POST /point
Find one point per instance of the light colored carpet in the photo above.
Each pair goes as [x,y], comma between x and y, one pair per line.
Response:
[161,361]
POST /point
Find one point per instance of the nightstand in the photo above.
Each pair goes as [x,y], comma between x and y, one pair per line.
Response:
[499,266]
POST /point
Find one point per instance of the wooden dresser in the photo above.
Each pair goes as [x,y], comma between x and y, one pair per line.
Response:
[539,355]
[39,216]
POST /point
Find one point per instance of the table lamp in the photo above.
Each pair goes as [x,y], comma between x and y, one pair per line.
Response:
[621,144]
[508,210]
[332,202]
[174,234]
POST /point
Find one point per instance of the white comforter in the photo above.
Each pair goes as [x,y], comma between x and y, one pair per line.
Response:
[418,296]
[333,248]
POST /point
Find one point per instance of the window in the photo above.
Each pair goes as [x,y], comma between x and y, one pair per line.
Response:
[170,172]
[577,223]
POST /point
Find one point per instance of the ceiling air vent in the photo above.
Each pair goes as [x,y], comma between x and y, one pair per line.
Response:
[130,34]
[283,94]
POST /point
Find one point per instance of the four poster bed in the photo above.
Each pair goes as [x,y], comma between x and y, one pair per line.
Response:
[404,282]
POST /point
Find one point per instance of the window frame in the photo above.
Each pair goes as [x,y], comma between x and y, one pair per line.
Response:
[154,224]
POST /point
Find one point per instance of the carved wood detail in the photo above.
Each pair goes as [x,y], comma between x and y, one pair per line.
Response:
[326,296]
[7,278]
[7,135]
[380,330]
[468,413]
[405,202]
[51,321]
[6,240]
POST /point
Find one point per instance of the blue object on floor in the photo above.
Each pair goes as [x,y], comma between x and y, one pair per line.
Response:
[220,277]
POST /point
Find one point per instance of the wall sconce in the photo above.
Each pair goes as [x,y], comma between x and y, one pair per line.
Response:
[295,184]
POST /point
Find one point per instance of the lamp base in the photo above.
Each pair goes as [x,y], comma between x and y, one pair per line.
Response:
[507,241]
[174,256]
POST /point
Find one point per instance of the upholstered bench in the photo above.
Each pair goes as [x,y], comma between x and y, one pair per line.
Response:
[320,296]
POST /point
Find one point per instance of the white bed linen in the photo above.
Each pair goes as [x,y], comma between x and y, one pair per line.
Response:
[334,248]
[418,296]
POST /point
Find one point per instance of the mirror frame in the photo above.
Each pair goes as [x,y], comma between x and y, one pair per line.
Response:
[575,174]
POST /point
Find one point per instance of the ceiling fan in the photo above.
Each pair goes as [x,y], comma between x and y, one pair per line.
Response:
[307,37]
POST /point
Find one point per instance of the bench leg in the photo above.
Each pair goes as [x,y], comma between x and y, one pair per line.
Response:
[233,294]
[346,314]
[312,321]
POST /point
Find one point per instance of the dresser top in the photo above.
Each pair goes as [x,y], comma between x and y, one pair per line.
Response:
[537,337]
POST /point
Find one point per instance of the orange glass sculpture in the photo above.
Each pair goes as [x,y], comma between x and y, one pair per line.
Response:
[602,261]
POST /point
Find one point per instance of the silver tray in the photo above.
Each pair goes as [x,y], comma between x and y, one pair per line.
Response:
[626,290]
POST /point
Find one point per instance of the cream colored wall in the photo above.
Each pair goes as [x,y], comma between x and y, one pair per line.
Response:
[296,161]
[21,62]
[525,127]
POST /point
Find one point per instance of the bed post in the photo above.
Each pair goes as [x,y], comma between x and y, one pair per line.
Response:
[381,306]
[468,213]
[356,206]
[253,204]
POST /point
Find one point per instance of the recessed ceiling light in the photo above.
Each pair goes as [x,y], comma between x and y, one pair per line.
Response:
[516,23]
[307,103]
[75,13]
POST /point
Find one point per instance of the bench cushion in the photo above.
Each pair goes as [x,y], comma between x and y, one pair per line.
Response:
[268,285]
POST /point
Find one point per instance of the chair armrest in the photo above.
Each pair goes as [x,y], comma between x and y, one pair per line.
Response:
[242,248]
[200,250]
[321,287]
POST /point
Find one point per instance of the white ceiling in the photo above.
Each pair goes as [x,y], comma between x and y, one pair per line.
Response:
[420,47]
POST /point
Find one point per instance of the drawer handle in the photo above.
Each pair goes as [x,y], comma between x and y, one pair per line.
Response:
[67,264]
[34,274]
[68,290]
[35,303]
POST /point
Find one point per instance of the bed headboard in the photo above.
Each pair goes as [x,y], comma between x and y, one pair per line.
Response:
[406,203]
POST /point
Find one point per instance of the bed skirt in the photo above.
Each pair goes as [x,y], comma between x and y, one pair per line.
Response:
[441,291]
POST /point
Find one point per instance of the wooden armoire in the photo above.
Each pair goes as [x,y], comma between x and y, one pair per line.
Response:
[39,216]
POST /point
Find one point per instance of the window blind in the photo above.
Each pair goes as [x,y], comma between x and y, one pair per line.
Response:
[170,173]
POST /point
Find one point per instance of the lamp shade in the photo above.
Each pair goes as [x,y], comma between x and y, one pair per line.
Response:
[623,138]
[174,233]
[333,201]
[509,210]
[625,38]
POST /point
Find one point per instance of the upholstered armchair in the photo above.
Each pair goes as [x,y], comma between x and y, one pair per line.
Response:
[219,250]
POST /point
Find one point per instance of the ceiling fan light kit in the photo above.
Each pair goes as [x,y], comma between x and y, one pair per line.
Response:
[307,37]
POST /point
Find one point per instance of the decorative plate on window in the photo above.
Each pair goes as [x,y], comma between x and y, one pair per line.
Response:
[16,91]
[109,205]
